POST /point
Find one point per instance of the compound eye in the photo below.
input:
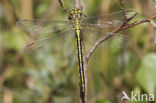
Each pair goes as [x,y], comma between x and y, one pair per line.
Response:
[72,12]
[71,9]
[79,11]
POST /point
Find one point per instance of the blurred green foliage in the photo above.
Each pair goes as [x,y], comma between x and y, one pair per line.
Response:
[53,77]
[146,77]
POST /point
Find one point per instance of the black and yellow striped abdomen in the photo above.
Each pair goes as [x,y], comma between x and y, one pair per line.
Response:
[80,62]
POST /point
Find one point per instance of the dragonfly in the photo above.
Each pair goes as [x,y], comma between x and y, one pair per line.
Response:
[82,29]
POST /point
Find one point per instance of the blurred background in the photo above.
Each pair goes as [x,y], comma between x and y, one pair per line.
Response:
[50,78]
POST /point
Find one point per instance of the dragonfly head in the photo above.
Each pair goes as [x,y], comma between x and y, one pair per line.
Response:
[76,13]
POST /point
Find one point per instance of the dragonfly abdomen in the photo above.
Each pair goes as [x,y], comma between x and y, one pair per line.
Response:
[81,64]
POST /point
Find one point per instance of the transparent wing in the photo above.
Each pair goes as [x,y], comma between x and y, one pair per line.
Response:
[118,41]
[108,22]
[43,26]
[55,42]
[51,31]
